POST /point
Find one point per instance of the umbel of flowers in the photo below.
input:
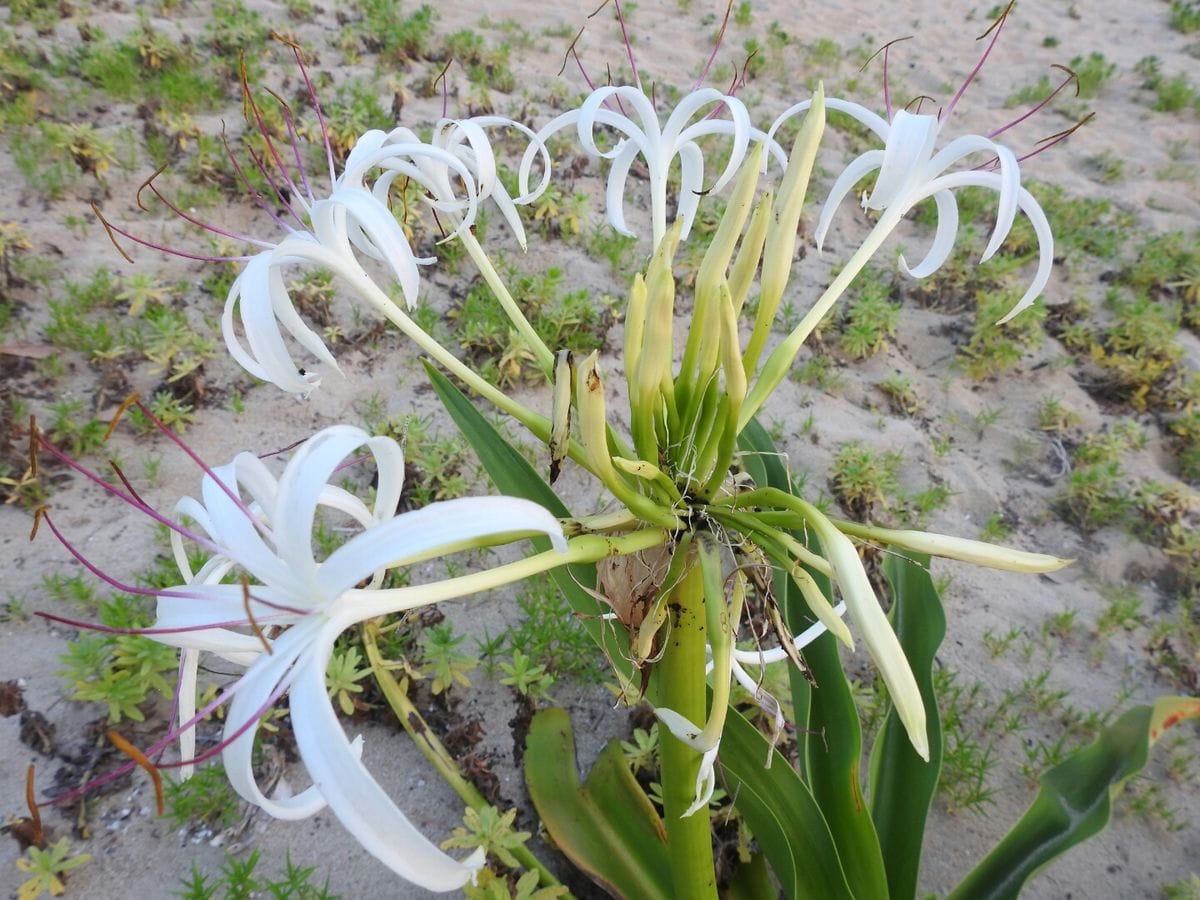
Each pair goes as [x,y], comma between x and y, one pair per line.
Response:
[685,509]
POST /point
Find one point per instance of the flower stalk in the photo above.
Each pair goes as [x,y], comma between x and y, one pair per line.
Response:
[681,678]
[396,694]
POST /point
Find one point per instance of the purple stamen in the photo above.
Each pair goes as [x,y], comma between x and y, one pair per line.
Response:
[141,632]
[161,248]
[637,78]
[62,457]
[232,235]
[1050,140]
[1071,77]
[281,192]
[146,592]
[125,481]
[259,200]
[251,721]
[445,88]
[918,100]
[1044,144]
[195,457]
[252,104]
[994,29]
[95,570]
[294,139]
[716,46]
[162,744]
[312,95]
[887,90]
[887,94]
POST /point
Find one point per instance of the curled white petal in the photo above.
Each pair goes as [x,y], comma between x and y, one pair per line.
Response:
[267,357]
[360,804]
[266,677]
[688,733]
[850,176]
[1027,204]
[944,235]
[641,134]
[779,654]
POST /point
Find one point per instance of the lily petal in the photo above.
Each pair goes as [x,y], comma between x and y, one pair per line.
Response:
[423,531]
[943,238]
[357,799]
[269,677]
[267,357]
[1028,205]
[846,180]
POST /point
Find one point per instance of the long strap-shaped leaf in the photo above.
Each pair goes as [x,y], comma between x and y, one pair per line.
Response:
[902,784]
[607,826]
[1075,799]
[832,743]
[782,815]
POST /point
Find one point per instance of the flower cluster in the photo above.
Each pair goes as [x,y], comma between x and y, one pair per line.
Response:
[262,600]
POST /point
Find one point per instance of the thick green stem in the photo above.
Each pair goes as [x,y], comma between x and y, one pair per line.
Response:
[431,747]
[682,687]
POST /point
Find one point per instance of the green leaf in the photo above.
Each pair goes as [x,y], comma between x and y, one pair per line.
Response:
[902,784]
[515,477]
[1075,799]
[832,744]
[607,827]
[750,881]
[782,815]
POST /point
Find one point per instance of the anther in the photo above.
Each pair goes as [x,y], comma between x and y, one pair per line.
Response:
[142,760]
[132,400]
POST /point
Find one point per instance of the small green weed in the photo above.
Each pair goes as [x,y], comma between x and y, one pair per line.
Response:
[550,633]
[992,350]
[492,831]
[238,879]
[1096,494]
[1170,94]
[1092,71]
[901,395]
[122,671]
[865,480]
[1185,18]
[967,756]
[444,663]
[204,799]
[342,679]
[870,318]
[47,869]
[1123,612]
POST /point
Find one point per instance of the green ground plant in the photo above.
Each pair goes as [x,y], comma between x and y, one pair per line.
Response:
[240,878]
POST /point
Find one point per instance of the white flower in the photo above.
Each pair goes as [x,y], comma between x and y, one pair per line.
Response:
[334,231]
[262,526]
[642,135]
[352,220]
[910,171]
[466,142]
